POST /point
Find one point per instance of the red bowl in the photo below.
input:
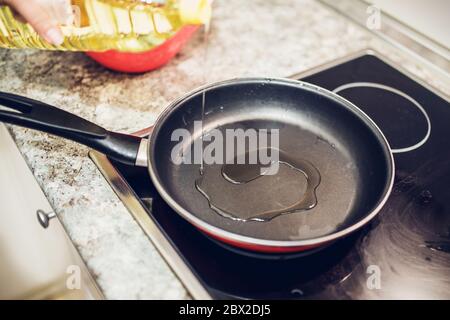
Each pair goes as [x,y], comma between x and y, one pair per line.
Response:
[148,60]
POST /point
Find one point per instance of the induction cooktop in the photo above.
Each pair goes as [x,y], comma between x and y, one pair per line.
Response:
[403,253]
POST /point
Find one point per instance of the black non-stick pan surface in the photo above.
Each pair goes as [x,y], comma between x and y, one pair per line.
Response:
[344,145]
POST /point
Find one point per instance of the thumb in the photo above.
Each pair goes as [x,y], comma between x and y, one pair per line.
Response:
[39,18]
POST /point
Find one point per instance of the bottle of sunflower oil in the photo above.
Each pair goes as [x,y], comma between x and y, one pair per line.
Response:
[100,25]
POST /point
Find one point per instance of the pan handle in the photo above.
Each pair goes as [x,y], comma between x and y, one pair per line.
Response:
[37,115]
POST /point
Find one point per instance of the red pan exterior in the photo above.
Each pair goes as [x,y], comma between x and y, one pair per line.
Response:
[262,248]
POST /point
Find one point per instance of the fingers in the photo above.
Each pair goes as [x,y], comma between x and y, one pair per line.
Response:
[39,18]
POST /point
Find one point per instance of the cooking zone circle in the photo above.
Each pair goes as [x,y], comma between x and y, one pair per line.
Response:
[406,128]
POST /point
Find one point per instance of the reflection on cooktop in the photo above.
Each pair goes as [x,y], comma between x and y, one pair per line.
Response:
[403,253]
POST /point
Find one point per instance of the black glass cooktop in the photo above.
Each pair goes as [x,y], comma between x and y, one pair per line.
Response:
[403,253]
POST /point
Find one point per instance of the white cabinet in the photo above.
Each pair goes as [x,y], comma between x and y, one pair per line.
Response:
[430,18]
[35,262]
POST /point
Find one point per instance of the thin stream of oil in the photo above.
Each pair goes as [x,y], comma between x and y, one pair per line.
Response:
[205,69]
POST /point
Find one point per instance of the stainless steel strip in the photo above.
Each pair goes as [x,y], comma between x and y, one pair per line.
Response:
[380,56]
[396,33]
[129,198]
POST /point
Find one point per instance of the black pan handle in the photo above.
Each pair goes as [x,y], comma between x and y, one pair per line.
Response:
[37,115]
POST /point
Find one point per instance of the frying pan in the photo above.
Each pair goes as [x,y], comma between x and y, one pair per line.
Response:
[347,148]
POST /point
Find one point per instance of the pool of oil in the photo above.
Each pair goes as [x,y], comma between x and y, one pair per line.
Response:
[337,193]
[257,192]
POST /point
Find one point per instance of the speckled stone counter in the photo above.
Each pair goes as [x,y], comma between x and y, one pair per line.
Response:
[248,38]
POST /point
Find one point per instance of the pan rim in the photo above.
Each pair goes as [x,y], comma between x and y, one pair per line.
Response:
[224,234]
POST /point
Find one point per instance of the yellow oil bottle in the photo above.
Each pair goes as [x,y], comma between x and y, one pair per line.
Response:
[100,25]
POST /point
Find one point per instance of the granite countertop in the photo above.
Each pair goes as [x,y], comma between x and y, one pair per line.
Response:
[251,38]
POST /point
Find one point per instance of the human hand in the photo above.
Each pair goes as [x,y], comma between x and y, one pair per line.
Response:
[44,16]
